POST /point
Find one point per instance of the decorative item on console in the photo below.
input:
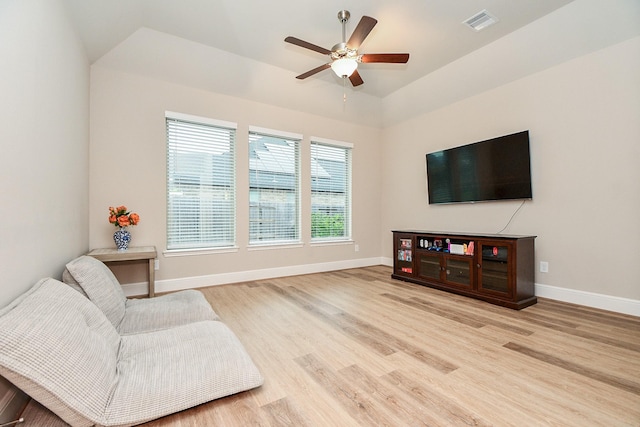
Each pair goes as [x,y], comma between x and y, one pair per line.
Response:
[121,217]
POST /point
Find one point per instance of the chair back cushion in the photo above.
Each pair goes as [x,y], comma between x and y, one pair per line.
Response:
[69,280]
[100,285]
[60,349]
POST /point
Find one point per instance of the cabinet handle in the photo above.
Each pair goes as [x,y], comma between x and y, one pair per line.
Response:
[478,265]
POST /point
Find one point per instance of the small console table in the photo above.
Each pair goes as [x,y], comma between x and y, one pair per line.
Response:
[132,254]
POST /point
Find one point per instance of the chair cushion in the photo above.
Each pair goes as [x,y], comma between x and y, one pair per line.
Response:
[100,285]
[166,311]
[175,369]
[69,280]
[131,316]
[60,349]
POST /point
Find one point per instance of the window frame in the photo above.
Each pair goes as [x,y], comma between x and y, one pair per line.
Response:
[348,150]
[296,139]
[175,248]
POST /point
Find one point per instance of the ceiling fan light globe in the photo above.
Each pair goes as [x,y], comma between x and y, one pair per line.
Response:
[344,67]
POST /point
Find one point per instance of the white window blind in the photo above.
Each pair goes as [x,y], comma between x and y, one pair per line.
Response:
[200,183]
[330,191]
[274,187]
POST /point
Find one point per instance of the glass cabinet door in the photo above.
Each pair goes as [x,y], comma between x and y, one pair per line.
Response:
[494,268]
[459,271]
[429,266]
[403,262]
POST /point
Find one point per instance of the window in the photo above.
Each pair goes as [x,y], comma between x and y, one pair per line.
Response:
[200,182]
[330,190]
[274,183]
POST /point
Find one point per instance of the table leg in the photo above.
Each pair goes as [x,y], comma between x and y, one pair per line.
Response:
[152,278]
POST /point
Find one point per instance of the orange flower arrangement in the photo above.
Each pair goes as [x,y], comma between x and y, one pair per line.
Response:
[121,217]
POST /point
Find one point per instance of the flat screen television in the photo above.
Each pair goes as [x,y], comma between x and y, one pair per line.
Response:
[495,169]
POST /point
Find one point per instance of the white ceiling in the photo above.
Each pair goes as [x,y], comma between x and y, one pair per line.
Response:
[430,30]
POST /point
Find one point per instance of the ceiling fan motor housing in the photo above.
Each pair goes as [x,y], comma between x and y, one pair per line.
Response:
[341,50]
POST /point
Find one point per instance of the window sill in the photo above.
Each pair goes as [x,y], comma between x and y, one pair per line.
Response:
[204,251]
[331,242]
[268,246]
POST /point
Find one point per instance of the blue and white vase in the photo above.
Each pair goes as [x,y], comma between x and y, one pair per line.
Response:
[122,237]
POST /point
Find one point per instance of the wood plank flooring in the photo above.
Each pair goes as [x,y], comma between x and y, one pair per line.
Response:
[357,348]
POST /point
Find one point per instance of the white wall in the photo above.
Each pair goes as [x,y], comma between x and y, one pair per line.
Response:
[128,166]
[44,82]
[572,31]
[169,58]
[584,129]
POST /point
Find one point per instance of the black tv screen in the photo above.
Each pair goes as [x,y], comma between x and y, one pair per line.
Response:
[495,169]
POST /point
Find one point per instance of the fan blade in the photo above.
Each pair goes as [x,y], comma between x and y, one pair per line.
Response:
[361,32]
[355,78]
[307,45]
[314,71]
[392,58]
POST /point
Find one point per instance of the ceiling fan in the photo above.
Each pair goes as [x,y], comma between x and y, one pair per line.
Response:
[344,56]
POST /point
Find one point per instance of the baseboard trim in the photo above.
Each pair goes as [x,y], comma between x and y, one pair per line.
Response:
[195,282]
[589,299]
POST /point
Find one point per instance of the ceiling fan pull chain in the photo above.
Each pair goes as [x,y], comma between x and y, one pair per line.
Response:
[344,90]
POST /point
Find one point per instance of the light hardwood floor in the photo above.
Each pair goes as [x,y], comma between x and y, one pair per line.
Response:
[356,348]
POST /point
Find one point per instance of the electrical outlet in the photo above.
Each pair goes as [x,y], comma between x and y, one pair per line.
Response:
[544,267]
[357,248]
[156,264]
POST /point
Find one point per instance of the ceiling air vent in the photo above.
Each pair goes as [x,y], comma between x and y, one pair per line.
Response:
[481,20]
